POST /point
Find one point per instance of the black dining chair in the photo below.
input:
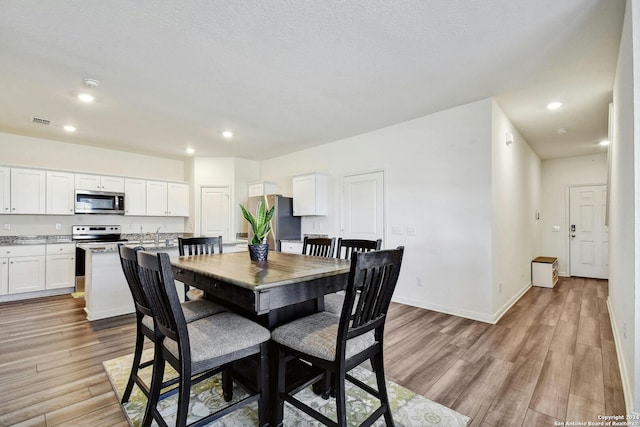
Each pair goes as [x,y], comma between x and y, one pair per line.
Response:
[344,248]
[198,349]
[338,344]
[319,246]
[193,310]
[198,246]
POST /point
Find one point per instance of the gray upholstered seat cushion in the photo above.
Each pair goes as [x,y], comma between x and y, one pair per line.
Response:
[221,338]
[198,309]
[333,303]
[317,335]
[148,322]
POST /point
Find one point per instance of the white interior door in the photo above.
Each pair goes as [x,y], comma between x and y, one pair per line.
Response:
[215,212]
[363,206]
[588,233]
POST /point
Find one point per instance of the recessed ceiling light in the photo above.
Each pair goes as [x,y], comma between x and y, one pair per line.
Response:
[85,97]
[554,105]
[227,134]
[562,131]
[190,150]
[604,142]
[70,128]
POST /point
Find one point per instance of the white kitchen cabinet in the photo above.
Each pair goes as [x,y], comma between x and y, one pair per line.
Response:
[26,267]
[135,196]
[60,193]
[5,190]
[4,276]
[290,247]
[99,183]
[310,194]
[60,266]
[28,191]
[156,198]
[177,199]
[544,271]
[261,188]
[167,199]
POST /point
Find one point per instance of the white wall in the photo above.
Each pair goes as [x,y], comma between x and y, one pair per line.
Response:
[557,176]
[438,180]
[624,211]
[47,154]
[516,200]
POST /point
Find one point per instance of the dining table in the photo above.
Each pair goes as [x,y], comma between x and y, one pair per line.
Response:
[272,292]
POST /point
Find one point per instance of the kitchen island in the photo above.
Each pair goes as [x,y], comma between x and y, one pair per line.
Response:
[106,291]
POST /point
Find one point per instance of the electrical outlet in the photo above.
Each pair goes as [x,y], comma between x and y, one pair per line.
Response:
[418,281]
[58,226]
[624,330]
[7,227]
[499,287]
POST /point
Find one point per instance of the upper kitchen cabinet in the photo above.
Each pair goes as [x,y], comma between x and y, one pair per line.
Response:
[310,194]
[135,196]
[100,183]
[60,189]
[261,188]
[167,199]
[5,190]
[28,191]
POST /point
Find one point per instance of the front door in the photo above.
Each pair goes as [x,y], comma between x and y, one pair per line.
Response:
[363,206]
[214,209]
[588,233]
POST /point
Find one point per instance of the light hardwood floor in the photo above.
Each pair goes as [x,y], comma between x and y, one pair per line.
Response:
[551,358]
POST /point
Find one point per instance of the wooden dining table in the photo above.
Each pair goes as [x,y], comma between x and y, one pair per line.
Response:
[273,292]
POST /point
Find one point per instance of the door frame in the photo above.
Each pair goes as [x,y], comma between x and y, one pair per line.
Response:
[567,222]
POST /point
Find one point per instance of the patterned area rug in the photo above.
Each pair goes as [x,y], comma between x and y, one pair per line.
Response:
[408,408]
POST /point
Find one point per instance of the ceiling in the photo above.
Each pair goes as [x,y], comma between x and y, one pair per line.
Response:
[285,75]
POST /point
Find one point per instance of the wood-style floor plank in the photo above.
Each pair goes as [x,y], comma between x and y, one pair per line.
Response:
[551,358]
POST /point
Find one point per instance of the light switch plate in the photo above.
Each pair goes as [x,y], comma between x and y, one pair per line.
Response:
[555,228]
[411,231]
[7,227]
[396,231]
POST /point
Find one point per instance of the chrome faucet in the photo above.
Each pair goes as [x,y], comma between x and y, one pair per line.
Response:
[157,237]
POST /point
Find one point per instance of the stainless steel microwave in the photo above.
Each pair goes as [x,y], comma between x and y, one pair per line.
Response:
[99,202]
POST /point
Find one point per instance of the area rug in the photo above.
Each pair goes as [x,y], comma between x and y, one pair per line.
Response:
[407,407]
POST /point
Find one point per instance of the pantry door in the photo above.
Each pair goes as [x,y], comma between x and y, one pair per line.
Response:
[215,212]
[363,206]
[588,234]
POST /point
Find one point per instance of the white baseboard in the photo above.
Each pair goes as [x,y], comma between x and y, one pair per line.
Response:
[36,294]
[507,305]
[624,372]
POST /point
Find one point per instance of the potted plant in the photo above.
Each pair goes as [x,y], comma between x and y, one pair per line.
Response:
[260,226]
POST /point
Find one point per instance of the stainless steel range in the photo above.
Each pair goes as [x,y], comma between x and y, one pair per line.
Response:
[92,237]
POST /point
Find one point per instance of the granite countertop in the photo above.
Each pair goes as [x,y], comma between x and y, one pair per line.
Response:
[35,240]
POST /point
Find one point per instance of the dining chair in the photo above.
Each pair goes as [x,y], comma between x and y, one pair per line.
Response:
[344,248]
[193,310]
[198,349]
[338,344]
[198,246]
[319,246]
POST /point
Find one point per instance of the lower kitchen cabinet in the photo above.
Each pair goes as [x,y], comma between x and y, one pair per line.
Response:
[60,266]
[26,268]
[4,276]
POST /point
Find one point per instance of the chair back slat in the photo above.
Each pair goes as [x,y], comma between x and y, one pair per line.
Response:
[346,247]
[199,245]
[159,288]
[373,277]
[129,263]
[319,246]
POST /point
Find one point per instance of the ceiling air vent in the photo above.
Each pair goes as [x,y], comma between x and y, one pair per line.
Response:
[40,121]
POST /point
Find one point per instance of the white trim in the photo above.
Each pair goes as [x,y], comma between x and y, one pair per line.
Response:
[36,294]
[473,315]
[97,315]
[624,372]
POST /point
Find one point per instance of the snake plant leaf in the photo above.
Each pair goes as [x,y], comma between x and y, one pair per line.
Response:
[261,222]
